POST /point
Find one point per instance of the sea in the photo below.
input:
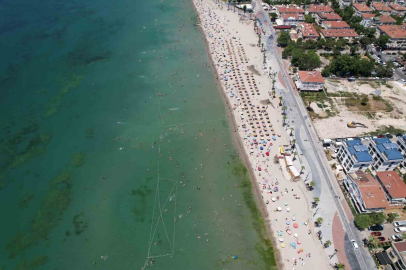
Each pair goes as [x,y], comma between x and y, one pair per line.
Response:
[116,149]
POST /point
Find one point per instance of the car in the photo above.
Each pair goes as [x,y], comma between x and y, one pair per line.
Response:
[403,80]
[381,136]
[376,228]
[376,233]
[354,244]
[399,134]
[389,136]
[381,238]
[397,237]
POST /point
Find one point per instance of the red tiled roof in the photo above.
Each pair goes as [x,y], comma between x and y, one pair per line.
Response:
[319,8]
[393,31]
[393,184]
[311,76]
[308,30]
[290,16]
[381,7]
[386,18]
[400,246]
[286,9]
[330,16]
[362,8]
[336,24]
[397,7]
[371,191]
[367,15]
[339,33]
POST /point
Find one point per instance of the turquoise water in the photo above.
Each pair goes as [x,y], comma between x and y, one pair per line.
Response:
[115,144]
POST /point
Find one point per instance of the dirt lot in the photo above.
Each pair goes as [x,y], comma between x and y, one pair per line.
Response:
[376,104]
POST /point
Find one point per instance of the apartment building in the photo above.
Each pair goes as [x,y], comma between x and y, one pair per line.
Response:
[396,33]
[354,156]
[309,81]
[307,31]
[385,154]
[393,186]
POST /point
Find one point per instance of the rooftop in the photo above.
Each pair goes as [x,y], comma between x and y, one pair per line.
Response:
[367,15]
[336,24]
[339,33]
[389,149]
[371,191]
[319,8]
[393,183]
[291,16]
[400,246]
[385,18]
[308,30]
[287,9]
[359,151]
[311,76]
[397,7]
[381,7]
[362,8]
[393,31]
[332,16]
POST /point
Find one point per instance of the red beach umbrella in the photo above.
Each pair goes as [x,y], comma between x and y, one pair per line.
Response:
[295,225]
[267,153]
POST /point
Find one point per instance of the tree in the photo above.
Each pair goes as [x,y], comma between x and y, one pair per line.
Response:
[330,43]
[293,143]
[291,131]
[244,8]
[319,220]
[302,169]
[316,200]
[403,235]
[373,240]
[312,184]
[280,101]
[382,41]
[391,217]
[362,221]
[365,41]
[340,266]
[353,49]
[377,218]
[283,39]
[327,243]
[309,18]
[294,70]
[273,16]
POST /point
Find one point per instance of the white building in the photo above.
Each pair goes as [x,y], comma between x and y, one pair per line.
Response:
[385,154]
[401,141]
[393,186]
[354,156]
[345,3]
[309,81]
[292,19]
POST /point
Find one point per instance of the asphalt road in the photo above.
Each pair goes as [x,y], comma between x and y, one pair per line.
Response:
[358,259]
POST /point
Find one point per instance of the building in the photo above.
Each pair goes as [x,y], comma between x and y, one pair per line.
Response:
[366,192]
[367,19]
[397,9]
[292,18]
[335,25]
[332,16]
[401,141]
[314,9]
[396,33]
[399,249]
[361,8]
[344,3]
[307,31]
[393,186]
[381,7]
[389,259]
[385,154]
[348,34]
[290,10]
[384,19]
[354,156]
[309,81]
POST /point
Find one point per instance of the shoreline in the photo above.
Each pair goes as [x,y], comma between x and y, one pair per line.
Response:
[238,144]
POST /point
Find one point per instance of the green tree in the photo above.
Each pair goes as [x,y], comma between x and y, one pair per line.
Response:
[329,44]
[391,217]
[341,43]
[373,240]
[377,218]
[362,221]
[403,235]
[309,18]
[340,266]
[316,200]
[382,41]
[273,16]
[321,42]
[365,41]
[319,220]
[294,70]
[327,243]
[312,183]
[283,39]
[353,49]
[244,8]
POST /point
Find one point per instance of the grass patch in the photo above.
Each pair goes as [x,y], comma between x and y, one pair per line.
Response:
[385,130]
[264,247]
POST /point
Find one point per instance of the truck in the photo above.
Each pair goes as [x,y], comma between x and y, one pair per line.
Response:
[399,223]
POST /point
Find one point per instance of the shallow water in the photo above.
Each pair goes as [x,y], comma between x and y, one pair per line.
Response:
[115,142]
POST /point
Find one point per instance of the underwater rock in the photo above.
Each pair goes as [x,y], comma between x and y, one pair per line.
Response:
[80,223]
[26,199]
[78,159]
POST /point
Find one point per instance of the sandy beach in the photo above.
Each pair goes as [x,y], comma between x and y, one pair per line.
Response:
[233,47]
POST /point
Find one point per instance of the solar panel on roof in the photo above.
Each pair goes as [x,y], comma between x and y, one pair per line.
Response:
[390,146]
[360,148]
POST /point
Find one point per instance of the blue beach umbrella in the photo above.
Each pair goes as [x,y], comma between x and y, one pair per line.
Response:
[261,148]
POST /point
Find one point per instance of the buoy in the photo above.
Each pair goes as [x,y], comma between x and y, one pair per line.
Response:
[235,256]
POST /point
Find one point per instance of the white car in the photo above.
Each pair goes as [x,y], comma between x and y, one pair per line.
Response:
[354,243]
[403,80]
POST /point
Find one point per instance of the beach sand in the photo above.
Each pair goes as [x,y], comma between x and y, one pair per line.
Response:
[232,45]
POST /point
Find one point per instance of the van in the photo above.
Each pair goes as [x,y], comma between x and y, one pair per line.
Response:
[399,223]
[400,229]
[338,144]
[327,141]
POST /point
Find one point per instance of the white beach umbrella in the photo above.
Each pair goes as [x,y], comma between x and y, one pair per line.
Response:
[295,235]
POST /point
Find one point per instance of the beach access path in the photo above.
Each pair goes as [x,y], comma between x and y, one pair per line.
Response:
[313,158]
[233,47]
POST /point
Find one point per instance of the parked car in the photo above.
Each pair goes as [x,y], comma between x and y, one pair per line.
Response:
[381,136]
[400,229]
[397,237]
[376,233]
[381,238]
[376,228]
[354,244]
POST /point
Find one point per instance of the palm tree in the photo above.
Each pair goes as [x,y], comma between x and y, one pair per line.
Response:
[284,108]
[284,119]
[316,200]
[293,143]
[319,220]
[280,101]
[294,155]
[403,235]
[340,266]
[327,243]
[291,131]
[312,184]
[303,167]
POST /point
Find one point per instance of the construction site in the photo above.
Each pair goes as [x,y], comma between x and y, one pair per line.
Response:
[347,109]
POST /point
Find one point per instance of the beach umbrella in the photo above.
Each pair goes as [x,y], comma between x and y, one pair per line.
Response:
[288,209]
[283,245]
[295,235]
[280,239]
[273,199]
[294,218]
[280,233]
[293,244]
[288,222]
[261,148]
[259,169]
[279,209]
[295,225]
[286,203]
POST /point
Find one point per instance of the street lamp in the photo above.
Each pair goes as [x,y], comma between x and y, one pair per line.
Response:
[316,211]
[335,252]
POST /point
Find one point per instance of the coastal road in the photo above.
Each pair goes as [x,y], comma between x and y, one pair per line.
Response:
[313,152]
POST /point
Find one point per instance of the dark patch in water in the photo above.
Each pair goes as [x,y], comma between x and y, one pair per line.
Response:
[139,211]
[80,223]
